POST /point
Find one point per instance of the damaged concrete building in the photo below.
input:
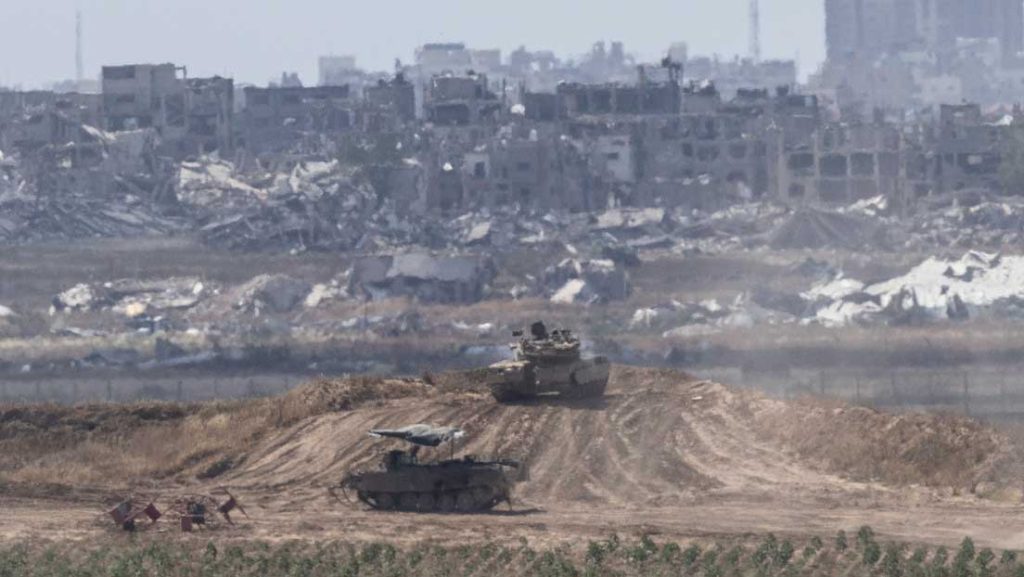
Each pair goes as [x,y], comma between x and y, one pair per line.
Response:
[275,118]
[191,115]
[451,100]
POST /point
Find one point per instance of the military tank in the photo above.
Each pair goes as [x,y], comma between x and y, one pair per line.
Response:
[548,363]
[403,483]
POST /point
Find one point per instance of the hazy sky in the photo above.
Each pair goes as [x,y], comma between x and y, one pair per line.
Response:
[255,40]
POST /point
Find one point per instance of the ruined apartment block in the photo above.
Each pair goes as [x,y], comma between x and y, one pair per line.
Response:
[191,116]
[276,118]
[451,100]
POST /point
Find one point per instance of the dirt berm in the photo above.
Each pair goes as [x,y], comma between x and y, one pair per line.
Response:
[658,436]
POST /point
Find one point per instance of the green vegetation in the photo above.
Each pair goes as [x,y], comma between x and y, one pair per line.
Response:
[158,556]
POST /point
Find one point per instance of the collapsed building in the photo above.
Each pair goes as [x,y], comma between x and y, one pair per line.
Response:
[315,165]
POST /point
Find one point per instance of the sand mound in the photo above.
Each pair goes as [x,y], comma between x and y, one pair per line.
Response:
[864,444]
[329,395]
[657,437]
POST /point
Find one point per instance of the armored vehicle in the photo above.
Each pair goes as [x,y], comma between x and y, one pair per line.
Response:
[455,485]
[548,363]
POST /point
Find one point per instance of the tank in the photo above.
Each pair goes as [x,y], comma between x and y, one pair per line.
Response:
[403,483]
[548,363]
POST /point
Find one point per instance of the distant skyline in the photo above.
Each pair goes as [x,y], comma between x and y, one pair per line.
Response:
[254,42]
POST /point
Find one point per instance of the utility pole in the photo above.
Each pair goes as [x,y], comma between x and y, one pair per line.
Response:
[755,30]
[79,66]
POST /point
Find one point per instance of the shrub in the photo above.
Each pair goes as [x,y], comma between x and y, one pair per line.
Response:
[841,543]
[966,551]
[710,564]
[670,552]
[766,551]
[892,563]
[865,535]
[872,553]
[554,564]
[691,554]
[984,561]
[732,558]
[595,554]
[784,553]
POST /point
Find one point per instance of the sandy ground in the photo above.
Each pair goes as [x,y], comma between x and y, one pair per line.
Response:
[658,455]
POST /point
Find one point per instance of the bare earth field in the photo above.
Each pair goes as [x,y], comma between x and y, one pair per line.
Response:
[663,454]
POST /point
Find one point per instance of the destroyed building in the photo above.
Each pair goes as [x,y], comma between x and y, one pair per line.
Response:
[460,100]
[426,278]
[388,104]
[968,150]
[191,116]
[275,118]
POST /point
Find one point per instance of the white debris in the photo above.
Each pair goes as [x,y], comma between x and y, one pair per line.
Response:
[321,293]
[836,289]
[78,297]
[570,291]
[643,318]
[979,280]
[935,289]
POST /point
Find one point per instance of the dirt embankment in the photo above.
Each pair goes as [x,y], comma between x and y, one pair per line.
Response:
[659,436]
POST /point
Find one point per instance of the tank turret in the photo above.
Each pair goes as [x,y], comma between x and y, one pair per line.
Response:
[548,362]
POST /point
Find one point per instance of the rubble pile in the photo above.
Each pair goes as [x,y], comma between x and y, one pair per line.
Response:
[274,293]
[316,204]
[585,282]
[976,285]
[99,185]
[705,317]
[985,224]
[815,229]
[133,297]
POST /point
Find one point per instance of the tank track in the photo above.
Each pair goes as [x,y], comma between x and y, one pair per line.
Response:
[462,501]
[588,390]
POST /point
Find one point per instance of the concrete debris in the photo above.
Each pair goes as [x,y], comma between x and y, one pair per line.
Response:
[629,219]
[817,229]
[326,292]
[586,281]
[424,277]
[78,297]
[272,293]
[133,297]
[976,285]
